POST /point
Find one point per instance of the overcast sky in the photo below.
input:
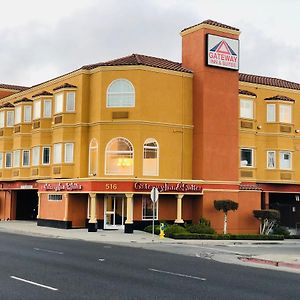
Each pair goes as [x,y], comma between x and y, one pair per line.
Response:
[44,39]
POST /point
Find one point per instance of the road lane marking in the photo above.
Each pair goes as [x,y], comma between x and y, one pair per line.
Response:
[34,283]
[49,251]
[101,259]
[177,274]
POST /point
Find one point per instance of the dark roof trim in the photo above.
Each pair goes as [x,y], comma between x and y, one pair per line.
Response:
[43,93]
[23,100]
[281,98]
[6,105]
[213,23]
[65,86]
[13,87]
[247,93]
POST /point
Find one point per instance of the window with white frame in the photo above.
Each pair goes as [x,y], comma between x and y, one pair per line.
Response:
[47,108]
[37,109]
[246,108]
[1,160]
[271,113]
[147,206]
[26,158]
[93,157]
[57,149]
[27,113]
[55,197]
[35,156]
[2,119]
[151,160]
[70,103]
[46,156]
[69,152]
[119,157]
[58,103]
[271,159]
[285,160]
[285,113]
[120,93]
[10,118]
[247,157]
[18,114]
[16,160]
[8,160]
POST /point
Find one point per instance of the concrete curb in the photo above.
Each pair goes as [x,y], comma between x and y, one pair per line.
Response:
[269,262]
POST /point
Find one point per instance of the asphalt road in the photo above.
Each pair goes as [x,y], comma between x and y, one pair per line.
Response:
[47,268]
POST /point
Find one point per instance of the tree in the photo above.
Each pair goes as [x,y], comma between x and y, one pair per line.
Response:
[267,218]
[225,206]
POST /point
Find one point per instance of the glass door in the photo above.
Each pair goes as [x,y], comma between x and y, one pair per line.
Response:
[114,208]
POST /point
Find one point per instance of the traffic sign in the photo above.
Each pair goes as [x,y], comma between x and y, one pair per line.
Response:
[154,194]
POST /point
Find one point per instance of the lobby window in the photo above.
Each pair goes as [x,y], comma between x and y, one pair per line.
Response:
[18,114]
[27,113]
[151,158]
[285,160]
[55,197]
[46,155]
[69,153]
[36,110]
[70,103]
[271,159]
[8,160]
[58,105]
[47,108]
[35,156]
[2,119]
[10,118]
[247,157]
[120,93]
[26,158]
[93,157]
[147,206]
[119,157]
[1,160]
[57,148]
[246,109]
[285,113]
[271,113]
[16,160]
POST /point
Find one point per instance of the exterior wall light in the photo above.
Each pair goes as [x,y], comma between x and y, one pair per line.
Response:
[297,130]
[258,127]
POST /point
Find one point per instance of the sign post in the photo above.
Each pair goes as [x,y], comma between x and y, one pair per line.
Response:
[154,198]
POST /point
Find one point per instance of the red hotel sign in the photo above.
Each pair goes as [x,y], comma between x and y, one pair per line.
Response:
[68,186]
[168,187]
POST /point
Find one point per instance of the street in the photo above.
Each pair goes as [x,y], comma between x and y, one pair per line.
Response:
[54,268]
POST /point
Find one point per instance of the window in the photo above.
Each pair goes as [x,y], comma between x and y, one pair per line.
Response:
[285,160]
[93,157]
[271,159]
[120,93]
[59,99]
[247,157]
[27,113]
[150,162]
[119,157]
[26,158]
[55,197]
[1,119]
[57,153]
[16,161]
[18,114]
[70,105]
[10,119]
[35,156]
[37,109]
[8,160]
[285,113]
[47,108]
[46,155]
[1,160]
[246,109]
[271,113]
[69,152]
[147,205]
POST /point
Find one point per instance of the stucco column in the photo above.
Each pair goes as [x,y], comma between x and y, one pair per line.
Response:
[92,225]
[39,206]
[129,219]
[66,198]
[179,209]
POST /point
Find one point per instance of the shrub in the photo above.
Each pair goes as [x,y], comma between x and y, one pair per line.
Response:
[205,222]
[196,236]
[200,228]
[149,229]
[281,230]
[170,229]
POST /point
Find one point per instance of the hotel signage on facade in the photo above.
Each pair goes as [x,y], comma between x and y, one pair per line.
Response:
[222,52]
[68,186]
[168,187]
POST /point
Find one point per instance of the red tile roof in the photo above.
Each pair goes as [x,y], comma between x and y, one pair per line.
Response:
[213,23]
[22,100]
[13,87]
[43,93]
[245,92]
[65,86]
[144,60]
[269,81]
[280,97]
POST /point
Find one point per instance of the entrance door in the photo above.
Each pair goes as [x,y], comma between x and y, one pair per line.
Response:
[114,212]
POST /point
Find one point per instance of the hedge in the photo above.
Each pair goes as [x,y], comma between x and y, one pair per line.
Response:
[195,236]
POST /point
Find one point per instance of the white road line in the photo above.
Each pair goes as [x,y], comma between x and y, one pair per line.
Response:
[49,251]
[177,274]
[34,283]
[101,259]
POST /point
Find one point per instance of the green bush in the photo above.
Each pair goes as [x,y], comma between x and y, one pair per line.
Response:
[196,236]
[170,229]
[200,228]
[205,222]
[281,230]
[149,229]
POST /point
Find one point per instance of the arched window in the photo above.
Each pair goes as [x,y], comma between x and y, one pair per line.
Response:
[93,157]
[151,158]
[120,93]
[119,157]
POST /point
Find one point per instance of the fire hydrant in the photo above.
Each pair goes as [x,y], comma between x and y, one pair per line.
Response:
[162,232]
